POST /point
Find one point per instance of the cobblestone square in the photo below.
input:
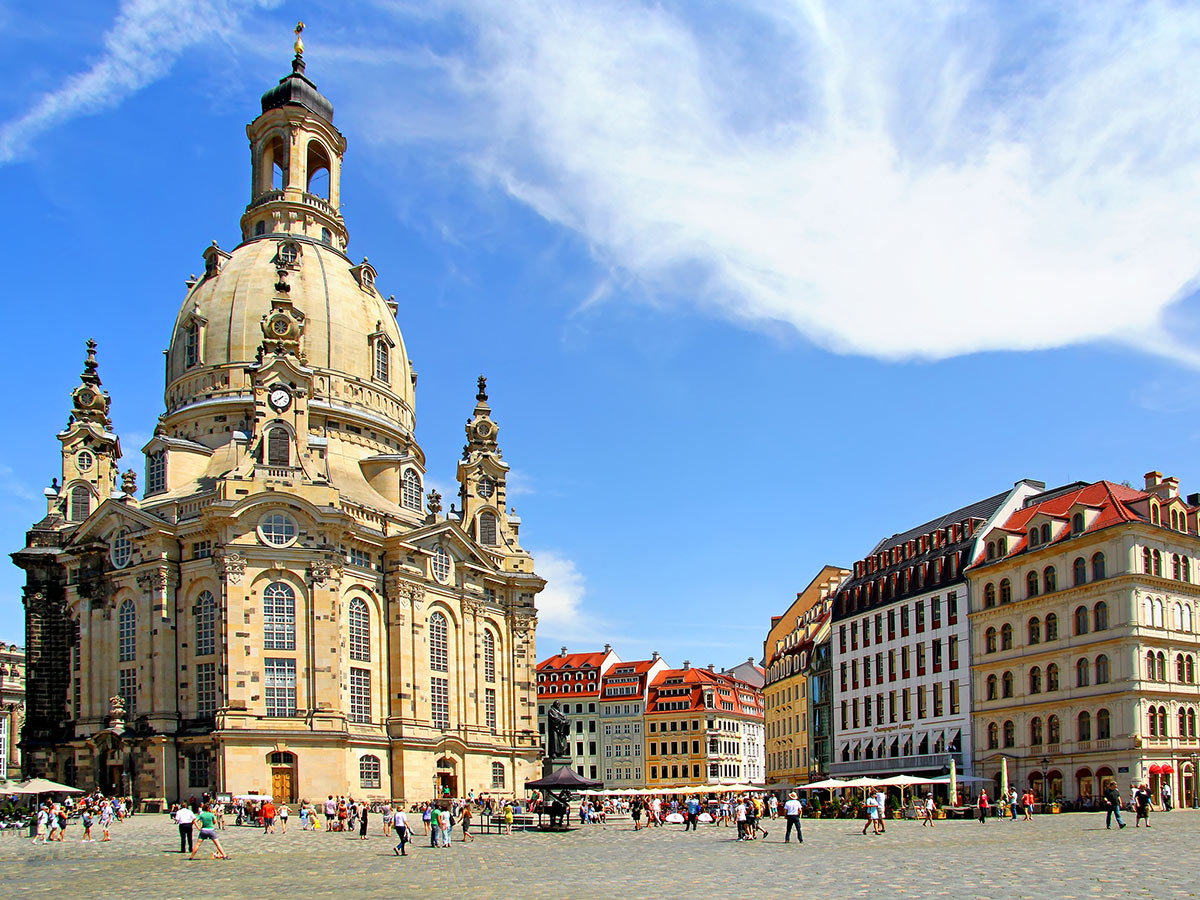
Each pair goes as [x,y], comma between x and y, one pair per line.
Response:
[1065,857]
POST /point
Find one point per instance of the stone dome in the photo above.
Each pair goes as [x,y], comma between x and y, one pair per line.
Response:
[220,328]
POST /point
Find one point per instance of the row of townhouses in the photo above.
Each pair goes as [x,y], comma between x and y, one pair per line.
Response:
[641,723]
[1054,629]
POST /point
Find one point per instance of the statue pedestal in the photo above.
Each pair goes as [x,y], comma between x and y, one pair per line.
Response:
[550,765]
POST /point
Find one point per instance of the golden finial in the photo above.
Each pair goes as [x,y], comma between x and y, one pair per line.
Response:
[299,41]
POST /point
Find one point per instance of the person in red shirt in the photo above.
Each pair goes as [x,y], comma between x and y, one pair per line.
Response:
[268,814]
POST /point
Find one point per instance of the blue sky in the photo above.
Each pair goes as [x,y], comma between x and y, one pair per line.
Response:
[755,284]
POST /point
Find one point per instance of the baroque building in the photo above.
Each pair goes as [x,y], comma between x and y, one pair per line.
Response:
[283,610]
[1086,640]
[12,708]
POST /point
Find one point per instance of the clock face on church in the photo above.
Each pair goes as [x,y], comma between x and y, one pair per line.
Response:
[279,398]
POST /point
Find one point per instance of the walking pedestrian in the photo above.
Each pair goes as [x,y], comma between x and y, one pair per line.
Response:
[467,814]
[86,819]
[930,808]
[1166,796]
[983,806]
[184,818]
[1012,803]
[268,817]
[445,823]
[362,823]
[208,832]
[400,823]
[791,810]
[881,802]
[1143,804]
[508,818]
[872,814]
[1112,801]
[693,813]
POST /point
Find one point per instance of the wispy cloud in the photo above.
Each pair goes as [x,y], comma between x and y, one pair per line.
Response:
[141,46]
[913,180]
[560,606]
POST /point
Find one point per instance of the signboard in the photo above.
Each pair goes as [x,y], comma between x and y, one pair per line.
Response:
[1122,770]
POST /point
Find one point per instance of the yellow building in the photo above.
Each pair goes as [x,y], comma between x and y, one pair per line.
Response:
[283,610]
[788,653]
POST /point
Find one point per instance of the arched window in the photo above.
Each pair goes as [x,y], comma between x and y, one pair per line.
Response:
[1103,725]
[191,344]
[991,549]
[81,503]
[1191,723]
[487,528]
[1152,721]
[1033,537]
[1147,561]
[1097,566]
[360,629]
[1081,620]
[1160,666]
[1051,627]
[1005,591]
[1010,733]
[1158,612]
[1031,584]
[497,776]
[206,624]
[1035,630]
[1100,616]
[411,490]
[1049,580]
[1102,676]
[1182,720]
[441,564]
[1006,684]
[279,617]
[1006,637]
[279,447]
[989,641]
[317,167]
[1190,669]
[368,771]
[991,687]
[993,738]
[1053,730]
[1082,672]
[1083,726]
[1035,680]
[326,237]
[989,595]
[382,359]
[1079,571]
[1077,523]
[1045,532]
[489,657]
[1185,623]
[1150,668]
[439,658]
[127,632]
[1002,546]
[1052,677]
[156,472]
[1180,674]
[1157,562]
[1162,722]
[1035,732]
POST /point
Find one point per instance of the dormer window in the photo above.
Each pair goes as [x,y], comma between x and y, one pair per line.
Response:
[191,344]
[410,490]
[382,359]
[288,254]
[279,447]
[487,529]
[156,472]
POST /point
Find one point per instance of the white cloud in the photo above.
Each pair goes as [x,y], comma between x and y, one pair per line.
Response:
[560,610]
[899,181]
[141,46]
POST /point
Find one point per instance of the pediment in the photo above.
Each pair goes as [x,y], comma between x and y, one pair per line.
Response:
[113,514]
[447,534]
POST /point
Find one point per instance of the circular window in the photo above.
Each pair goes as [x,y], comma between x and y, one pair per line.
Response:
[121,550]
[84,460]
[288,253]
[277,529]
[486,487]
[441,565]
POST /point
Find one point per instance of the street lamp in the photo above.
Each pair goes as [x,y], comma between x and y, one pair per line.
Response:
[1195,783]
[1045,781]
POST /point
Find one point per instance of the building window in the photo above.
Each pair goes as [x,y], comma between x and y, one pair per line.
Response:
[368,772]
[1100,616]
[1077,523]
[206,690]
[1006,685]
[81,503]
[487,529]
[199,768]
[1079,571]
[1082,673]
[1035,680]
[156,472]
[279,617]
[121,550]
[1053,730]
[1052,677]
[1010,733]
[277,529]
[206,624]
[1035,732]
[497,776]
[127,689]
[1097,566]
[1005,591]
[191,344]
[1081,620]
[127,632]
[1035,630]
[439,657]
[989,641]
[1102,676]
[279,447]
[411,490]
[1031,584]
[360,630]
[1049,580]
[382,359]
[489,657]
[1006,637]
[360,695]
[1051,627]
[441,565]
[439,703]
[280,687]
[489,708]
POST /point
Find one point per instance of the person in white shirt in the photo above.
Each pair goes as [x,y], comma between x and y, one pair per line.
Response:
[791,809]
[929,809]
[740,815]
[872,814]
[283,812]
[184,818]
[400,823]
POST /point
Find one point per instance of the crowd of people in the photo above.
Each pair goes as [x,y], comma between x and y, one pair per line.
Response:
[92,811]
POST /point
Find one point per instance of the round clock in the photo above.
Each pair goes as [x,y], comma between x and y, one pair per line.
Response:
[281,326]
[280,399]
[85,398]
[483,430]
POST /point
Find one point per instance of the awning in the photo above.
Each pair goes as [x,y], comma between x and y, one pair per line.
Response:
[1168,769]
[564,778]
[1155,769]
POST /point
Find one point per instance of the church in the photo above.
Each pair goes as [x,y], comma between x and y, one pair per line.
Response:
[284,610]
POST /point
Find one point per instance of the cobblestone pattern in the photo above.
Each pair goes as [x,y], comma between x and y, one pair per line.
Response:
[1066,857]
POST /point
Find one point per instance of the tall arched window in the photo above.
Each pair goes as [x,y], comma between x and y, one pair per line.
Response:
[989,641]
[1081,620]
[279,617]
[1006,636]
[1157,562]
[497,776]
[360,630]
[487,528]
[1102,675]
[206,624]
[1035,680]
[1035,630]
[1160,666]
[127,632]
[1191,669]
[993,736]
[1010,733]
[1147,561]
[1045,532]
[1162,722]
[1083,725]
[1079,571]
[382,359]
[1053,730]
[1051,627]
[1150,670]
[279,447]
[991,687]
[1100,616]
[989,595]
[81,503]
[1005,591]
[1077,523]
[1180,674]
[1031,584]
[489,657]
[191,344]
[1082,671]
[1049,580]
[1097,566]
[1035,732]
[368,771]
[1152,721]
[439,654]
[1052,677]
[1103,725]
[411,490]
[1006,684]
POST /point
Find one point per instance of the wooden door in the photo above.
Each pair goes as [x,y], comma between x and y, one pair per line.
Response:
[281,785]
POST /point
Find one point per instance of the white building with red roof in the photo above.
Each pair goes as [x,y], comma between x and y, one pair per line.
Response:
[623,692]
[572,680]
[1084,641]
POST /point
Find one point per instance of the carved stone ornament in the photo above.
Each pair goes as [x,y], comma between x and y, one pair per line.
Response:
[129,482]
[326,570]
[403,592]
[234,565]
[471,607]
[154,581]
[523,625]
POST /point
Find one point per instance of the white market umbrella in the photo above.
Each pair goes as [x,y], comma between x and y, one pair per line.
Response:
[953,782]
[1003,798]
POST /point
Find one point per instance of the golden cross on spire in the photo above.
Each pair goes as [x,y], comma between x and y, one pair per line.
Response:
[299,40]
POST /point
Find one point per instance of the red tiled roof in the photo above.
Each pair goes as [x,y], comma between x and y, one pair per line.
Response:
[568,664]
[695,681]
[571,661]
